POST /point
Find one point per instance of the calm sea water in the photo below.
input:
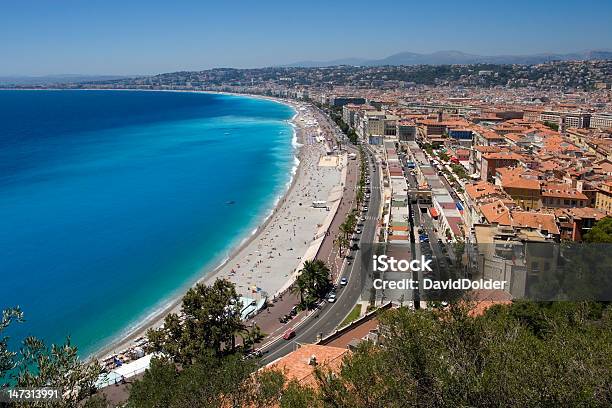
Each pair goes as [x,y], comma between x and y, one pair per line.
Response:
[111,202]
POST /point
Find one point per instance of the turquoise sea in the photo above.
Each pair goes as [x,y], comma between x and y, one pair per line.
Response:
[113,202]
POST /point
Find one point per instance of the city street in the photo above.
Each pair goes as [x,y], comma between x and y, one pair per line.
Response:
[325,320]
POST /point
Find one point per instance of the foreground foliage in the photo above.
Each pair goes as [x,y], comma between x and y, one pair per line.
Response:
[210,321]
[36,365]
[601,232]
[313,282]
[524,354]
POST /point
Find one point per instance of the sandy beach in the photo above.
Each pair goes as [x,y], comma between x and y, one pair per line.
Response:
[268,260]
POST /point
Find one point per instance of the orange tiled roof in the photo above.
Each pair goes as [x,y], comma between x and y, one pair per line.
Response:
[562,191]
[586,212]
[496,212]
[488,149]
[295,365]
[502,156]
[482,189]
[539,220]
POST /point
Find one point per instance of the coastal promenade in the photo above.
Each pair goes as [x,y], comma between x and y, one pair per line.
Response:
[325,250]
[268,321]
[264,263]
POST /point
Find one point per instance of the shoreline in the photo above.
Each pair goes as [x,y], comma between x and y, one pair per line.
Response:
[208,274]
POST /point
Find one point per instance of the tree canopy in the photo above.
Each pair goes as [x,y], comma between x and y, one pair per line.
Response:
[36,365]
[313,282]
[523,354]
[210,320]
[601,232]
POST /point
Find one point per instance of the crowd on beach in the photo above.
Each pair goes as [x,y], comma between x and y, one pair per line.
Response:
[264,264]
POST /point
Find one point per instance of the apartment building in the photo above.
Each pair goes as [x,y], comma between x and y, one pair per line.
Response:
[601,121]
[555,195]
[569,119]
[604,197]
[406,130]
[493,161]
[517,255]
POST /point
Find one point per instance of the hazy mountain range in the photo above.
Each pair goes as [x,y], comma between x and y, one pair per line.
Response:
[458,57]
[53,79]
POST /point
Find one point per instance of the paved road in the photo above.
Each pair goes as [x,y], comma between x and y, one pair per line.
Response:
[422,219]
[330,315]
[268,321]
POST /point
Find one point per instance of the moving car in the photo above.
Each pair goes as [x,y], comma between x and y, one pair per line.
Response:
[289,334]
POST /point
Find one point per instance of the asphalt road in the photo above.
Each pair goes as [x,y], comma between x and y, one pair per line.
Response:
[326,319]
[422,218]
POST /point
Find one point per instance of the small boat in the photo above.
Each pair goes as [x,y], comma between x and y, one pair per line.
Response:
[230,202]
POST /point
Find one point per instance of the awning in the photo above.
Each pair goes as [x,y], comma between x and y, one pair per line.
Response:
[434,213]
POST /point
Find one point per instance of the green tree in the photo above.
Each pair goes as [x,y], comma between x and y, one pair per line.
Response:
[346,229]
[212,381]
[211,318]
[524,354]
[341,242]
[300,286]
[7,357]
[315,281]
[36,365]
[601,232]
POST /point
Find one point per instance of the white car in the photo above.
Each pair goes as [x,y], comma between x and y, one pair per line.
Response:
[331,298]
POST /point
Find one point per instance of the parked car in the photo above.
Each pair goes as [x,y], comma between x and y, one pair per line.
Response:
[343,281]
[331,298]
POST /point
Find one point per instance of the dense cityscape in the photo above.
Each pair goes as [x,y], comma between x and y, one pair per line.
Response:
[494,177]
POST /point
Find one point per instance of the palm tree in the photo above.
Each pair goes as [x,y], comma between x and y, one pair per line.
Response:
[300,286]
[346,229]
[351,219]
[317,280]
[321,281]
[359,196]
[341,242]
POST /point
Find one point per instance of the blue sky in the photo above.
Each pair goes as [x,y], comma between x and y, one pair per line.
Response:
[143,37]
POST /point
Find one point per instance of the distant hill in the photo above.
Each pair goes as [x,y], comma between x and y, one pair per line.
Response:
[53,79]
[458,57]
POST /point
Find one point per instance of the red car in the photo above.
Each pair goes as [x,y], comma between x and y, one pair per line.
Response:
[289,334]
